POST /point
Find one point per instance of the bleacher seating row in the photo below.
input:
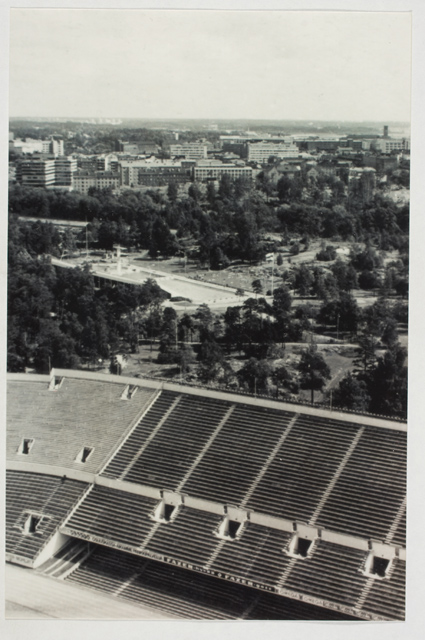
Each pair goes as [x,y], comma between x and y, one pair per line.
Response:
[387,597]
[368,494]
[125,455]
[333,572]
[115,515]
[43,495]
[245,464]
[303,467]
[78,414]
[293,483]
[171,453]
[183,593]
[237,454]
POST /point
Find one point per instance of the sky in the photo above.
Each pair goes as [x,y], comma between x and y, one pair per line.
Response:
[350,66]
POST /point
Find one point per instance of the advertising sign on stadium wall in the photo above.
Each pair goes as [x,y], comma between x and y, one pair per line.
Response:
[327,604]
[161,558]
[287,593]
[82,535]
[221,574]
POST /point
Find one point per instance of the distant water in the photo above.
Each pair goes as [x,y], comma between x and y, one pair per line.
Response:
[316,127]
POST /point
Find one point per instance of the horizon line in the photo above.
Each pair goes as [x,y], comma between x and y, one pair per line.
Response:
[225,119]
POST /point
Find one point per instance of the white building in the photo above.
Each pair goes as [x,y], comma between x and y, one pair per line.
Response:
[386,145]
[65,167]
[262,151]
[213,170]
[153,172]
[189,150]
[53,147]
[84,180]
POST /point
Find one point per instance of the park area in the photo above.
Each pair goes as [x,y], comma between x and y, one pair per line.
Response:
[339,358]
[190,284]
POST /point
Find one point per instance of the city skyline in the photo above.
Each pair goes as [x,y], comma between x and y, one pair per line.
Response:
[254,65]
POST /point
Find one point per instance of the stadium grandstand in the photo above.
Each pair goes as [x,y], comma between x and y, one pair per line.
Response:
[201,504]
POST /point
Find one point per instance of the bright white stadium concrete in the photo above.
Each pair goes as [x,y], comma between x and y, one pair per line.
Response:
[368,420]
[30,595]
[240,515]
[197,291]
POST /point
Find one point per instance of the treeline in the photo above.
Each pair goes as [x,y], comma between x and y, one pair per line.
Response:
[61,317]
[58,317]
[220,225]
[92,138]
[202,343]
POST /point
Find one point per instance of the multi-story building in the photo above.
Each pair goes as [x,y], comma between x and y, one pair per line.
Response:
[82,181]
[329,144]
[387,145]
[52,146]
[277,171]
[87,163]
[213,170]
[189,150]
[380,162]
[262,151]
[47,171]
[28,146]
[107,180]
[36,172]
[134,148]
[65,167]
[148,148]
[107,162]
[142,173]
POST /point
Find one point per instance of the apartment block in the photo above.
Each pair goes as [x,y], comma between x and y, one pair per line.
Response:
[36,172]
[82,181]
[142,173]
[52,146]
[261,151]
[65,167]
[213,170]
[189,150]
[386,145]
[107,162]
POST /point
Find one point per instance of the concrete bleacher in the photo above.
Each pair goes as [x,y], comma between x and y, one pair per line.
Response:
[114,515]
[388,597]
[182,435]
[258,555]
[41,495]
[237,454]
[276,470]
[159,586]
[371,488]
[332,572]
[185,594]
[136,440]
[62,421]
[308,458]
[188,538]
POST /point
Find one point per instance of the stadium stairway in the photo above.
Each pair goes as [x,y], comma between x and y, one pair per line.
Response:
[67,559]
